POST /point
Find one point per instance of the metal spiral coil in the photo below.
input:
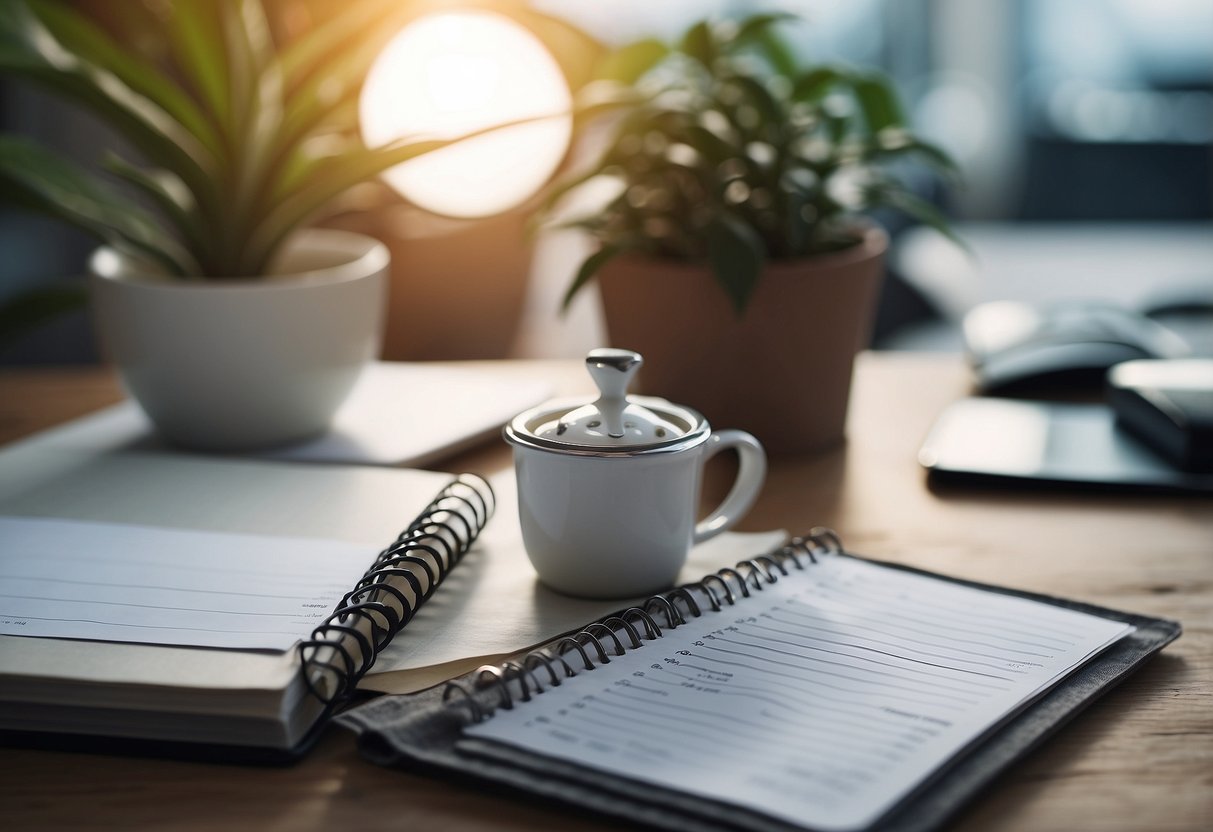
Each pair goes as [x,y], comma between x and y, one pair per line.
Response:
[344,646]
[676,607]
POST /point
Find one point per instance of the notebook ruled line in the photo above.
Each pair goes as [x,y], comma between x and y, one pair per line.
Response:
[938,620]
[144,626]
[116,582]
[937,632]
[158,587]
[900,656]
[882,664]
[903,643]
[943,609]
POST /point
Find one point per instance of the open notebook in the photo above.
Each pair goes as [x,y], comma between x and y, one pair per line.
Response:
[213,519]
[160,598]
[804,689]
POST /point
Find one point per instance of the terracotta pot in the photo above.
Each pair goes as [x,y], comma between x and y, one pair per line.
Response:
[782,371]
[458,286]
[237,365]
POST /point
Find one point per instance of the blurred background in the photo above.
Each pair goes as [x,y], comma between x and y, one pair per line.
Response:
[1084,129]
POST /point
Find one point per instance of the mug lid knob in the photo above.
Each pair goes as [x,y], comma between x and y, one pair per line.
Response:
[613,419]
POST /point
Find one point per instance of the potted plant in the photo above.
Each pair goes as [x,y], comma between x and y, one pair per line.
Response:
[231,322]
[735,252]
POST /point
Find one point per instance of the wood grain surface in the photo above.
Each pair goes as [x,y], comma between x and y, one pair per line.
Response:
[1140,759]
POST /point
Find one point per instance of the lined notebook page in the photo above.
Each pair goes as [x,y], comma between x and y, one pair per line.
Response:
[822,700]
[115,582]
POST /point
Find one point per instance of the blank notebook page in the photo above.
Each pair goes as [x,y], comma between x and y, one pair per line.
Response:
[822,700]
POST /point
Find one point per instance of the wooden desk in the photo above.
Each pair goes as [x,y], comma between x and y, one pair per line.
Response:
[1141,759]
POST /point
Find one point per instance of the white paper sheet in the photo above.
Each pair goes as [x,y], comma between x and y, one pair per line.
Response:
[114,582]
[822,700]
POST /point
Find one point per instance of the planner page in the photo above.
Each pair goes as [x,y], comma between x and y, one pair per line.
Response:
[822,700]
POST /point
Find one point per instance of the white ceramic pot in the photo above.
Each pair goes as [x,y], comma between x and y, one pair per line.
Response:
[608,492]
[237,365]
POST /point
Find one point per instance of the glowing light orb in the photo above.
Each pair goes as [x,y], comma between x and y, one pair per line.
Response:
[451,73]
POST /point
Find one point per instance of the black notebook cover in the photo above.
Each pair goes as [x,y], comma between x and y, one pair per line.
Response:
[424,734]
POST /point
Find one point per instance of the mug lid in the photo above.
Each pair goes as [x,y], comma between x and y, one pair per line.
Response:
[614,421]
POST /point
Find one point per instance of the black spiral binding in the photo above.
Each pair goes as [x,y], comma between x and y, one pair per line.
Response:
[344,646]
[499,686]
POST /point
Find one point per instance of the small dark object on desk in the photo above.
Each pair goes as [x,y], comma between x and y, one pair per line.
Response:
[1168,405]
[1016,346]
[1077,446]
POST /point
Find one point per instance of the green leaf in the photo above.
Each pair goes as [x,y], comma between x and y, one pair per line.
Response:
[558,190]
[699,44]
[776,52]
[166,192]
[757,31]
[259,98]
[323,72]
[931,154]
[311,53]
[796,227]
[30,310]
[710,146]
[330,176]
[29,50]
[599,98]
[575,50]
[49,183]
[878,102]
[196,34]
[79,35]
[755,26]
[590,267]
[896,196]
[769,109]
[816,83]
[736,254]
[627,64]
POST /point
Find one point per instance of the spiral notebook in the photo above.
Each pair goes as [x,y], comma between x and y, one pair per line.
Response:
[804,689]
[266,703]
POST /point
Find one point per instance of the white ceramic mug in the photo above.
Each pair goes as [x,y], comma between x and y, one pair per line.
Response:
[613,519]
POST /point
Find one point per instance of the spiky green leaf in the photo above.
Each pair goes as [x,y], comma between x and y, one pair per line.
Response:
[600,98]
[576,51]
[164,191]
[195,30]
[82,37]
[46,182]
[29,50]
[329,177]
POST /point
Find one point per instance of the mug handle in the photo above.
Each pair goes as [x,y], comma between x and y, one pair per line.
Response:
[744,491]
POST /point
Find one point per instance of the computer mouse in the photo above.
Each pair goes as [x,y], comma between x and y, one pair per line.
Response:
[1015,347]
